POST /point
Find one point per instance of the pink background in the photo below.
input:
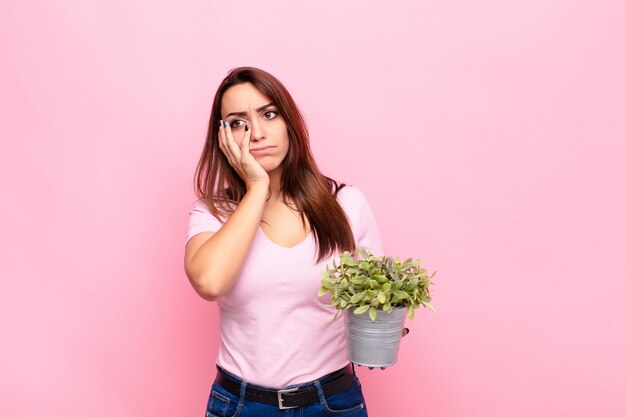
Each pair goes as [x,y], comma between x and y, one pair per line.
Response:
[489,137]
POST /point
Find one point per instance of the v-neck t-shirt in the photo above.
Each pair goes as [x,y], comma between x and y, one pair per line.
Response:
[275,330]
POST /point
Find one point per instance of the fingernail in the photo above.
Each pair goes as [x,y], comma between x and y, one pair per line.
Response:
[219,123]
[246,128]
[224,124]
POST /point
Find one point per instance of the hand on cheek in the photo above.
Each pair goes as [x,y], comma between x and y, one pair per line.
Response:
[237,152]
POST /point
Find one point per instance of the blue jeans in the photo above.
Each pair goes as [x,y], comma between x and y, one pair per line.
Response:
[349,402]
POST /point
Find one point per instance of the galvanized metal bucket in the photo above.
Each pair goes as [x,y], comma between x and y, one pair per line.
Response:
[374,343]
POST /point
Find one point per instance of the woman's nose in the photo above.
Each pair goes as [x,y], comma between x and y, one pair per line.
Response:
[257,131]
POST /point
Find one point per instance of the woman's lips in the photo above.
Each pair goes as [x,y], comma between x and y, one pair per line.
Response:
[264,149]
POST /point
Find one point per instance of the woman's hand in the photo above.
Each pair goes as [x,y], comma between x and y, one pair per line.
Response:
[240,158]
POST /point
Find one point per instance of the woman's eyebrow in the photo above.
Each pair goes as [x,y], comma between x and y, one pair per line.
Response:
[243,113]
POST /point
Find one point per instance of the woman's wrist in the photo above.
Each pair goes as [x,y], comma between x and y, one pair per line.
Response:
[258,187]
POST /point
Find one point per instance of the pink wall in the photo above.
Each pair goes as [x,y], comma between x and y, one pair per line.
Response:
[490,138]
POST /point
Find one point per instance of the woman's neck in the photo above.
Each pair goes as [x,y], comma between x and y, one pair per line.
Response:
[275,184]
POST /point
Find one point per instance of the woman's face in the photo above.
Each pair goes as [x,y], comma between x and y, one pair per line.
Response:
[244,104]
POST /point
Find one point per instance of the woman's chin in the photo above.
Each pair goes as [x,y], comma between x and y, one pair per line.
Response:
[269,168]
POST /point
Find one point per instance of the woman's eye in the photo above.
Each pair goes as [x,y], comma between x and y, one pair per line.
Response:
[238,123]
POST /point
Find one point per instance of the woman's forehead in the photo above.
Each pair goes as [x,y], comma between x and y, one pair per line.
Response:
[243,97]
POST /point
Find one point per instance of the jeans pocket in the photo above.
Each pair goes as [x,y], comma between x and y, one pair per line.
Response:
[222,403]
[346,402]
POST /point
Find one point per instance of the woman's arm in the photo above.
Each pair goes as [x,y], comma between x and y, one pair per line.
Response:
[214,260]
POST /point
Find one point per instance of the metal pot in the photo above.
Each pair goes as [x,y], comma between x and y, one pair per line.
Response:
[374,343]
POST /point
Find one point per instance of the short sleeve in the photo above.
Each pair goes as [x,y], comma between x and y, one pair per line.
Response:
[201,220]
[364,224]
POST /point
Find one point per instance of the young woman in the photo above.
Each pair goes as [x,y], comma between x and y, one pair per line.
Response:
[266,223]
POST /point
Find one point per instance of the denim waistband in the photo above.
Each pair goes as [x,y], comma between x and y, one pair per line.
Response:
[302,384]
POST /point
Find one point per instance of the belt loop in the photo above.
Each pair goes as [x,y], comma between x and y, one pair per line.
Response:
[242,392]
[320,392]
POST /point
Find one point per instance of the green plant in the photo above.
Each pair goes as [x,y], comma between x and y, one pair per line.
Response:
[376,283]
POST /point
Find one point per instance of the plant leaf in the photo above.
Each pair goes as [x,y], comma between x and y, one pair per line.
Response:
[358,280]
[361,309]
[372,313]
[428,306]
[381,279]
[357,297]
[401,295]
[336,314]
[411,312]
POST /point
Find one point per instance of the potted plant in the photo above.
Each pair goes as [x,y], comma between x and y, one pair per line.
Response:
[385,288]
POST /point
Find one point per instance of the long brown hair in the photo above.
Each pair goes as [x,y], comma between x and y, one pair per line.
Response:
[219,186]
